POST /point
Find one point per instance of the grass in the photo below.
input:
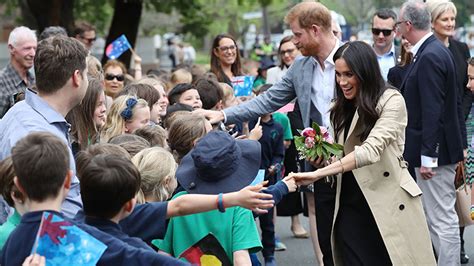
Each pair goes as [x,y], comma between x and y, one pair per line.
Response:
[202,58]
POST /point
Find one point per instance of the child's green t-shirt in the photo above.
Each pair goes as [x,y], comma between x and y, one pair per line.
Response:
[8,227]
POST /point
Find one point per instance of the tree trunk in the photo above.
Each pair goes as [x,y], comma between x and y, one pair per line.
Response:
[126,20]
[52,13]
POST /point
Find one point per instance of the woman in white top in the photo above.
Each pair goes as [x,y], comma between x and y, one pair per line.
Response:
[287,52]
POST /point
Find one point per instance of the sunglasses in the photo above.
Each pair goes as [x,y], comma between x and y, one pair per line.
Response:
[112,77]
[89,40]
[289,51]
[225,48]
[384,32]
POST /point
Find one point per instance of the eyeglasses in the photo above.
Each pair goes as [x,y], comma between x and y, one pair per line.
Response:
[225,48]
[112,77]
[289,51]
[385,32]
[397,24]
[89,40]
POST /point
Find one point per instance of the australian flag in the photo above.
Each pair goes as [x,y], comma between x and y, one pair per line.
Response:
[242,85]
[117,47]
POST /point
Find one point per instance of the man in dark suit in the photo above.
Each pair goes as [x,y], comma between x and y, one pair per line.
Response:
[434,134]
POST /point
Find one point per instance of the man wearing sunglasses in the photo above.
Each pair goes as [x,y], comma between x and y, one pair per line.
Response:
[383,32]
[85,33]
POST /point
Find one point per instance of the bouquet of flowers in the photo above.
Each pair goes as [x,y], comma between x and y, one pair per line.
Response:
[316,142]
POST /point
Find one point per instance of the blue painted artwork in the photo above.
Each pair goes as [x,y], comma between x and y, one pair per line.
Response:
[63,243]
[242,85]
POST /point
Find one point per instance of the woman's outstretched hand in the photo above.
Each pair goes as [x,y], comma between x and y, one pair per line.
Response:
[306,178]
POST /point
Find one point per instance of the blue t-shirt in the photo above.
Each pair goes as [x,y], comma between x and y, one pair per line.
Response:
[21,240]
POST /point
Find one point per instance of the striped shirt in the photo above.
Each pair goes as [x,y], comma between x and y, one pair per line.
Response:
[11,83]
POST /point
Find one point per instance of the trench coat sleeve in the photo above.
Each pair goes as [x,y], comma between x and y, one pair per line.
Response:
[388,128]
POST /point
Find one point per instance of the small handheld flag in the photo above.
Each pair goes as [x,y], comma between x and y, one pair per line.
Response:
[117,47]
[242,85]
[63,243]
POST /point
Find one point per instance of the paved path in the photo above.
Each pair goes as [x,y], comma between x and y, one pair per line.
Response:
[300,251]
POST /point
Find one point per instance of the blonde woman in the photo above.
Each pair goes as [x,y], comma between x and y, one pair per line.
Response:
[126,115]
[157,168]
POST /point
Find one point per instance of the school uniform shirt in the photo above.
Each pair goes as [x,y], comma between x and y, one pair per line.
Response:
[21,240]
[115,230]
[273,150]
[137,224]
[235,230]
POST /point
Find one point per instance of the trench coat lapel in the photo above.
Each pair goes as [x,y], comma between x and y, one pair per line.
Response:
[350,141]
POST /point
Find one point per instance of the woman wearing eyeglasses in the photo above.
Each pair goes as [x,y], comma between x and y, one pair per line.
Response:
[287,52]
[114,76]
[225,58]
[443,21]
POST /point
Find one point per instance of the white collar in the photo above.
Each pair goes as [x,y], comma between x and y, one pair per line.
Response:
[330,58]
[416,47]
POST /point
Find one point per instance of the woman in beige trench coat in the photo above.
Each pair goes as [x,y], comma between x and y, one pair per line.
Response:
[379,218]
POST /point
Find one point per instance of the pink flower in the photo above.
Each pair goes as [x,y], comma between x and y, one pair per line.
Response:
[309,142]
[324,130]
[329,139]
[308,132]
[326,136]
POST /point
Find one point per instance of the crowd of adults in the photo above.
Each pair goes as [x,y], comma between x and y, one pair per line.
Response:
[403,114]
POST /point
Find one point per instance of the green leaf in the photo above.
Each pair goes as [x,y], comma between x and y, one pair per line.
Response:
[316,128]
[326,154]
[319,150]
[334,148]
[299,141]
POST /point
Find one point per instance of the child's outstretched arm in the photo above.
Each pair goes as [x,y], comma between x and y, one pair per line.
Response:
[279,190]
[249,197]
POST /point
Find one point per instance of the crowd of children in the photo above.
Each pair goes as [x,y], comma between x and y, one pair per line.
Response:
[150,178]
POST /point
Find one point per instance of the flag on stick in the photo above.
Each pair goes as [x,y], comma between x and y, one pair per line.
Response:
[117,47]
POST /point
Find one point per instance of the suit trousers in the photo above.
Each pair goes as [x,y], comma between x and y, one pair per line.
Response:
[439,197]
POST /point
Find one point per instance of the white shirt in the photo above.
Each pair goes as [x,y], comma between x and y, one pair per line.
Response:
[324,84]
[387,61]
[275,74]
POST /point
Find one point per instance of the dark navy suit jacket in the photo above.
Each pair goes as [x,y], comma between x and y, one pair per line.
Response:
[461,54]
[435,116]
